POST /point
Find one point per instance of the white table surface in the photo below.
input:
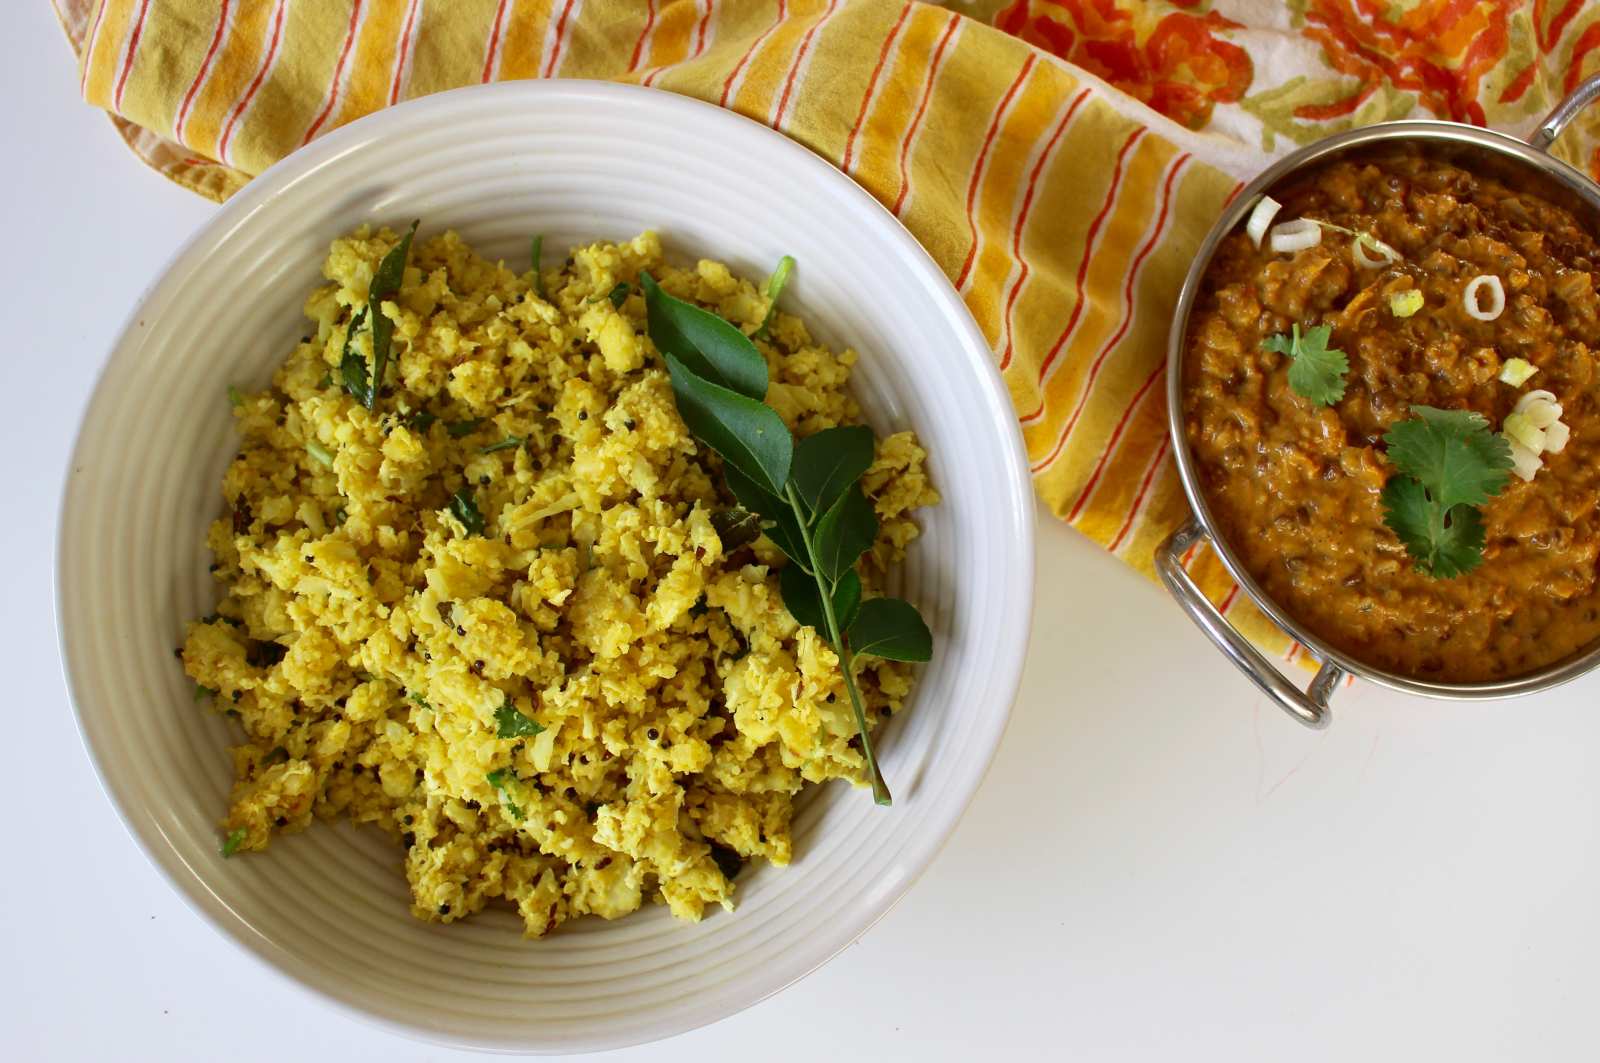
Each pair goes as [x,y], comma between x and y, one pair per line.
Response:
[1159,866]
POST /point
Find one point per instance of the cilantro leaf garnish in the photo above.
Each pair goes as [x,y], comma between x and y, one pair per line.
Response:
[1447,464]
[1453,453]
[1316,372]
[509,723]
[502,780]
[1444,543]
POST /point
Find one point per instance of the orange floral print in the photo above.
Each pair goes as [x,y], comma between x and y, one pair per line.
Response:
[1440,49]
[1171,60]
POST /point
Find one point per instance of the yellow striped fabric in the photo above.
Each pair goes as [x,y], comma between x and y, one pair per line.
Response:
[1065,225]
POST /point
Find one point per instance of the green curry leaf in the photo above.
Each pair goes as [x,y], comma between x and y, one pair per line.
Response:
[385,285]
[808,495]
[827,463]
[352,363]
[891,628]
[464,509]
[708,346]
[803,598]
[844,533]
[748,434]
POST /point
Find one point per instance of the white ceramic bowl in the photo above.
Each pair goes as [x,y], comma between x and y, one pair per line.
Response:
[575,161]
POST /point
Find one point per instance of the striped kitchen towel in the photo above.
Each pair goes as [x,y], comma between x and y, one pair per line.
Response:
[1064,211]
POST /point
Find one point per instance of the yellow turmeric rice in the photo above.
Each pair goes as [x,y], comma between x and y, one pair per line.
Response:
[663,707]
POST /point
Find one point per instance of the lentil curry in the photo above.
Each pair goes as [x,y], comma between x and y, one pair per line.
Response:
[1296,488]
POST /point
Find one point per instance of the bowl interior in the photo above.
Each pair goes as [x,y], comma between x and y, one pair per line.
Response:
[576,162]
[1482,151]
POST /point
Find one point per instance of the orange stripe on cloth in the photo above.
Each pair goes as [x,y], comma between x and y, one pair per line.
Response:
[977,169]
[403,53]
[230,127]
[1142,496]
[644,35]
[524,36]
[1033,125]
[374,62]
[182,118]
[680,38]
[867,98]
[491,46]
[555,38]
[1085,257]
[1021,227]
[338,72]
[776,120]
[892,123]
[735,78]
[1127,319]
[108,45]
[131,54]
[86,61]
[767,68]
[822,91]
[1124,454]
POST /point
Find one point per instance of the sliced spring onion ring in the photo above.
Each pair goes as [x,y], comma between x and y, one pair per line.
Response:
[1528,398]
[1260,218]
[1524,462]
[1519,428]
[1542,414]
[1384,253]
[1497,297]
[1516,371]
[1291,236]
[1406,303]
[1532,428]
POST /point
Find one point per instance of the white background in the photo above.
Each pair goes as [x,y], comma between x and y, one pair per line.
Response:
[1160,866]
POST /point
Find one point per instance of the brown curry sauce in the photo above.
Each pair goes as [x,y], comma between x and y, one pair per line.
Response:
[1295,488]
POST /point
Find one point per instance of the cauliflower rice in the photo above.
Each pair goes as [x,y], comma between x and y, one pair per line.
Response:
[371,647]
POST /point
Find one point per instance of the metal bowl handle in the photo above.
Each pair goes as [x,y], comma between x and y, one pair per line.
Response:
[1310,706]
[1586,93]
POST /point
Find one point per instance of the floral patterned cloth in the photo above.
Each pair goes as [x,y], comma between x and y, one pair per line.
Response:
[1275,75]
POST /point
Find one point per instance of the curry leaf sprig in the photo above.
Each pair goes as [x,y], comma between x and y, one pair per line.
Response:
[807,494]
[1315,372]
[1448,463]
[361,381]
